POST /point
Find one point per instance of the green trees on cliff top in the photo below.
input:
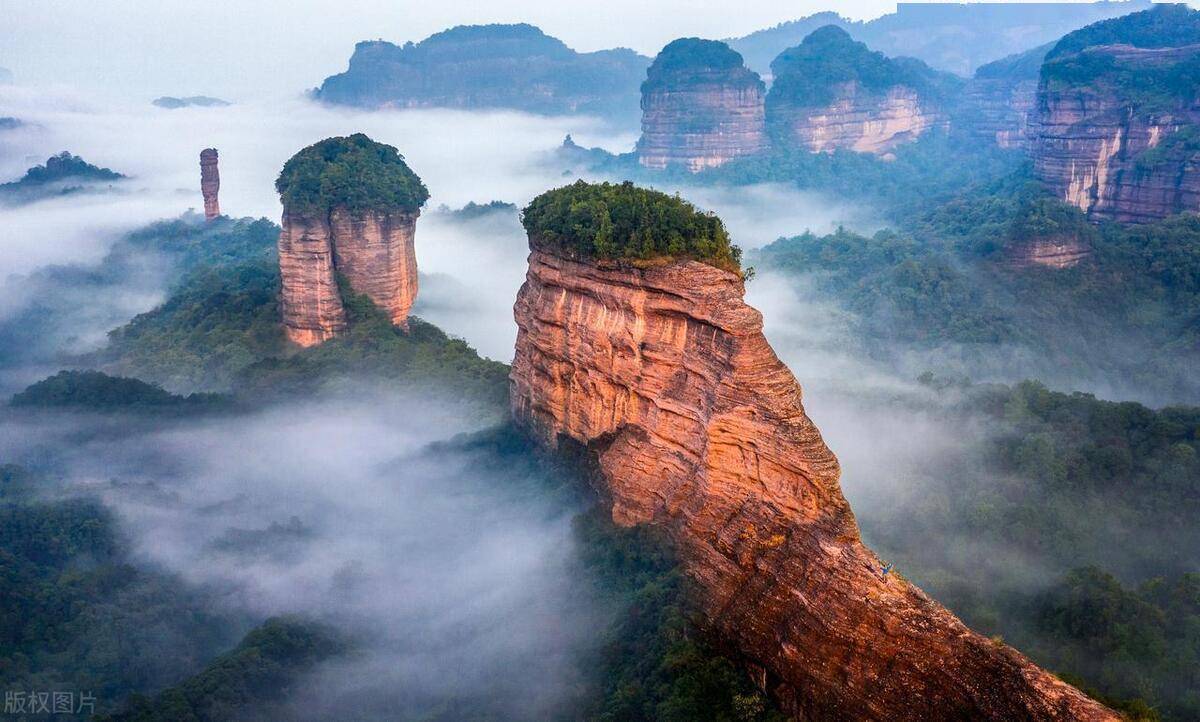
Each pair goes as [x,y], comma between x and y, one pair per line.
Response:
[688,57]
[624,222]
[352,172]
[807,74]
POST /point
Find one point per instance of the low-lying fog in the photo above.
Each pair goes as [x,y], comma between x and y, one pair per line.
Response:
[454,575]
[475,267]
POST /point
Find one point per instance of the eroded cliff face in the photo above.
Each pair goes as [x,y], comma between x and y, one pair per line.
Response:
[1102,152]
[703,123]
[210,183]
[857,120]
[999,110]
[664,375]
[372,250]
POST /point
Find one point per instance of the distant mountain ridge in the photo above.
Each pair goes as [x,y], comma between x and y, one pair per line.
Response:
[956,37]
[489,66]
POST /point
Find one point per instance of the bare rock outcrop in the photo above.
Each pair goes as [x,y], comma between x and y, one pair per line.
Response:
[1057,252]
[663,375]
[210,183]
[998,105]
[701,107]
[832,93]
[1119,125]
[349,221]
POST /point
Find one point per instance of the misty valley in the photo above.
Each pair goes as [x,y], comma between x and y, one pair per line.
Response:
[845,369]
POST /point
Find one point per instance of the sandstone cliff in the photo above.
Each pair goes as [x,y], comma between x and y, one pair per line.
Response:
[832,93]
[998,104]
[701,107]
[664,376]
[210,183]
[1119,125]
[358,229]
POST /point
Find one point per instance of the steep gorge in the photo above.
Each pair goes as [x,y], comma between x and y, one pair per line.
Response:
[663,374]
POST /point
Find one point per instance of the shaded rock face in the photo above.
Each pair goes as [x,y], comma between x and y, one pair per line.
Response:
[210,183]
[1100,150]
[1049,252]
[372,250]
[697,114]
[856,120]
[664,376]
[1000,111]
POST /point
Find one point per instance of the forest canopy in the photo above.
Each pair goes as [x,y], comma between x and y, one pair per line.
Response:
[624,221]
[807,74]
[352,172]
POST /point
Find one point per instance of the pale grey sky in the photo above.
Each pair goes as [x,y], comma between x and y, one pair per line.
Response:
[234,48]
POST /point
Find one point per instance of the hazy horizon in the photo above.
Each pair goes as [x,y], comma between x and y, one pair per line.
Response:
[186,48]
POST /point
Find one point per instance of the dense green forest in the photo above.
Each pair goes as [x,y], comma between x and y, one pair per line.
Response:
[97,391]
[690,59]
[80,614]
[622,221]
[353,173]
[251,682]
[944,282]
[59,175]
[64,303]
[1063,523]
[808,74]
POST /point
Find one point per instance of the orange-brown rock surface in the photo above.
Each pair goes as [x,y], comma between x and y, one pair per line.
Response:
[373,250]
[210,183]
[664,375]
[701,107]
[350,208]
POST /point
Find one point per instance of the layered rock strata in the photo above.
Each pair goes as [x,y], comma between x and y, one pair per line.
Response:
[834,93]
[210,183]
[664,376]
[350,208]
[701,108]
[859,121]
[372,250]
[999,111]
[1111,151]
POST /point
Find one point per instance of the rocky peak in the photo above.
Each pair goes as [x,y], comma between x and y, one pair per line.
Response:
[1118,118]
[701,107]
[350,208]
[660,371]
[210,183]
[832,92]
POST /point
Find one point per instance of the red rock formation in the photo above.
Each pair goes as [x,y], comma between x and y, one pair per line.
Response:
[700,108]
[210,182]
[858,121]
[664,375]
[1101,150]
[373,250]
